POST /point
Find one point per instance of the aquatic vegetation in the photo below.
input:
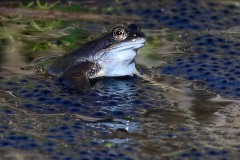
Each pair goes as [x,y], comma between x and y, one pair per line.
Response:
[41,26]
[46,5]
[74,8]
[39,5]
[46,35]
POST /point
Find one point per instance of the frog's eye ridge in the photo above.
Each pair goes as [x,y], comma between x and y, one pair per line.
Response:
[119,34]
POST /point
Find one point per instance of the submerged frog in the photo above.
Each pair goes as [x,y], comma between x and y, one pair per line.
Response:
[109,56]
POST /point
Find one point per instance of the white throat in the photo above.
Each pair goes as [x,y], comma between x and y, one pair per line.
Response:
[119,63]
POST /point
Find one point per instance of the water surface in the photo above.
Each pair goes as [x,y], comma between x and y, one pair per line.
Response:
[187,107]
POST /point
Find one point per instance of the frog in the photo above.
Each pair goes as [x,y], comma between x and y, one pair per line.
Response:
[111,55]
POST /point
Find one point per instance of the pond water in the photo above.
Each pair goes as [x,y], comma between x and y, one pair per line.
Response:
[186,107]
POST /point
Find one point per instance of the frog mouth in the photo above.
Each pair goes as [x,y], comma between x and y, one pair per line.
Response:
[132,44]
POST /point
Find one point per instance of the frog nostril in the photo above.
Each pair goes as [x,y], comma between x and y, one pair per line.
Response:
[133,26]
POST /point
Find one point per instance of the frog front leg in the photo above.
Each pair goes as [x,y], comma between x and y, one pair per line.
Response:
[75,78]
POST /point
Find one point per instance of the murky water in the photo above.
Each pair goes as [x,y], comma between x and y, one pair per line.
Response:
[186,106]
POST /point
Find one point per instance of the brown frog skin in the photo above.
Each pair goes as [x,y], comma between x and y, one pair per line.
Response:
[111,55]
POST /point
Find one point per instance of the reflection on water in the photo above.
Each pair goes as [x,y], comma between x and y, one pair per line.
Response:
[12,51]
[152,116]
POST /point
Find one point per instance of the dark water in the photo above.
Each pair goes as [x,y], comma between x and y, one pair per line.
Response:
[188,109]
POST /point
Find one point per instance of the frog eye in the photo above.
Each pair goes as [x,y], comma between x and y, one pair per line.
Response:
[119,34]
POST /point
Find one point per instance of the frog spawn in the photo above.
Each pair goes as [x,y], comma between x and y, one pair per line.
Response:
[41,102]
[215,61]
[74,134]
[52,142]
[45,96]
[180,14]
